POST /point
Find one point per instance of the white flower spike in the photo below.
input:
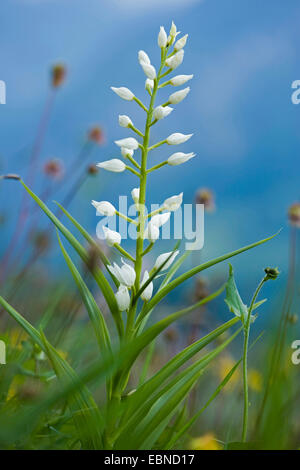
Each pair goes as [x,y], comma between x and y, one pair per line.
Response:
[149,70]
[160,219]
[125,275]
[125,121]
[173,203]
[123,298]
[147,293]
[178,138]
[163,257]
[179,158]
[129,143]
[151,233]
[123,93]
[180,43]
[162,39]
[115,165]
[176,60]
[126,153]
[180,80]
[112,238]
[143,57]
[104,208]
[178,96]
[161,112]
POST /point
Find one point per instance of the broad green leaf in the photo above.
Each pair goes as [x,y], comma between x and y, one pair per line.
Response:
[233,299]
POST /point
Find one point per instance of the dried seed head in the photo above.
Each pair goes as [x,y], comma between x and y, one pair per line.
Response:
[54,168]
[58,75]
[92,169]
[205,196]
[201,289]
[41,241]
[272,273]
[171,335]
[294,214]
[96,135]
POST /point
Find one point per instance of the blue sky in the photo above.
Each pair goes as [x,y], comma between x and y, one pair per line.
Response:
[244,55]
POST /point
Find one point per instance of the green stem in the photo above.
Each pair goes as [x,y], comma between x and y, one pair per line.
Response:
[245,360]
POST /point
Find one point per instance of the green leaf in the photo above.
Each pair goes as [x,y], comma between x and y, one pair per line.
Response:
[180,279]
[135,402]
[85,404]
[97,273]
[95,314]
[233,299]
[156,414]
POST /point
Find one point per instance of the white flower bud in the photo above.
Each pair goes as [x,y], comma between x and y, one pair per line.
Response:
[162,37]
[180,79]
[180,157]
[173,30]
[129,143]
[160,219]
[173,203]
[125,152]
[123,298]
[125,275]
[125,121]
[151,233]
[104,208]
[176,59]
[163,257]
[178,96]
[149,84]
[149,70]
[161,112]
[135,193]
[178,138]
[114,165]
[112,238]
[180,43]
[123,93]
[147,293]
[143,57]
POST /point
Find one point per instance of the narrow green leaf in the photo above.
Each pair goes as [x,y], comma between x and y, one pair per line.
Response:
[180,279]
[95,314]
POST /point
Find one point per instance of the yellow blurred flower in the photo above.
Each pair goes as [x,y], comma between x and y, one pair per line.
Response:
[16,336]
[224,366]
[255,380]
[206,442]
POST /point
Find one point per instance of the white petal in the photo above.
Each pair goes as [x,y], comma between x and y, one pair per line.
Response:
[178,96]
[143,57]
[151,233]
[180,43]
[129,143]
[149,70]
[147,293]
[176,59]
[123,93]
[162,37]
[104,208]
[180,157]
[114,165]
[163,257]
[173,203]
[111,237]
[125,121]
[160,219]
[161,112]
[180,79]
[178,138]
[123,298]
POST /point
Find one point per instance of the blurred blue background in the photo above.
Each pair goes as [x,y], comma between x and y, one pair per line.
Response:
[244,55]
